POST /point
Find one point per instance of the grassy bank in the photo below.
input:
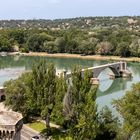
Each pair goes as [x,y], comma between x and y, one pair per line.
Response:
[92,57]
[37,125]
[57,134]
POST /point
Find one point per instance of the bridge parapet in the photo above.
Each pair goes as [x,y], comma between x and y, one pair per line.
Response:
[119,69]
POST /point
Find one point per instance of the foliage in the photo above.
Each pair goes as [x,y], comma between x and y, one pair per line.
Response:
[34,92]
[128,107]
[5,45]
[80,107]
[104,48]
[70,103]
[109,41]
[88,119]
[108,125]
[57,114]
[16,94]
[123,49]
[36,41]
[135,48]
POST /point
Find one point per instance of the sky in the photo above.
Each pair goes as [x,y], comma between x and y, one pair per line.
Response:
[54,9]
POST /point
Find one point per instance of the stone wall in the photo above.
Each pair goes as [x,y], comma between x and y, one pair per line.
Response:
[2,94]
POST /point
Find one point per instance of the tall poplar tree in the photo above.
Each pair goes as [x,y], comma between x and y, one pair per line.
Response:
[80,107]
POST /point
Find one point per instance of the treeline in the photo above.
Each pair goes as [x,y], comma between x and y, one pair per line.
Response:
[72,105]
[119,42]
[79,22]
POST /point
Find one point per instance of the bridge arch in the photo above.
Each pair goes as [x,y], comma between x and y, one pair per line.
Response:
[119,69]
[114,69]
[113,88]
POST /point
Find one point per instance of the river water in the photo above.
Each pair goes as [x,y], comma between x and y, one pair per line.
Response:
[109,89]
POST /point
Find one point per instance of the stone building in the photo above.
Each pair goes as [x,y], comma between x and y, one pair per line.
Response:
[10,125]
[2,94]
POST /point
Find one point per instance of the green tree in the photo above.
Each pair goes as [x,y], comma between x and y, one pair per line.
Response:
[60,44]
[104,48]
[19,36]
[123,49]
[57,114]
[135,48]
[36,42]
[5,45]
[108,125]
[129,109]
[42,90]
[88,120]
[49,93]
[16,94]
[79,115]
[36,91]
[87,47]
[50,47]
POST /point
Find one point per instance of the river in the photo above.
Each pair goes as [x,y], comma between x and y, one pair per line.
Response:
[109,89]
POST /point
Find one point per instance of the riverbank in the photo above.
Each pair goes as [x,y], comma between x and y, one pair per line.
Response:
[92,57]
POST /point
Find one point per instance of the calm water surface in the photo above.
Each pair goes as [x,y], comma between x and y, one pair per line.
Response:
[12,66]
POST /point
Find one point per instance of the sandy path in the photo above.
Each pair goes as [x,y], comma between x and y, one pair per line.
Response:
[93,57]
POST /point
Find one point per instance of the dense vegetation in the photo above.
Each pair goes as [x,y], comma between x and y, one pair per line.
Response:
[104,42]
[72,105]
[116,36]
[79,22]
[129,109]
[41,93]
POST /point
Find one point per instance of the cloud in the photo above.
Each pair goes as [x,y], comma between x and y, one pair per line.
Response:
[84,1]
[54,1]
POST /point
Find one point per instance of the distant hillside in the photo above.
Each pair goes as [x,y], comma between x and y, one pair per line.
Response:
[80,22]
[87,36]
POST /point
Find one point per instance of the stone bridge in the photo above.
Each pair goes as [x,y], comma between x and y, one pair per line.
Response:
[119,69]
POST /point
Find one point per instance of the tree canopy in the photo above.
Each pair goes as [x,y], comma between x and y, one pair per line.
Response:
[69,103]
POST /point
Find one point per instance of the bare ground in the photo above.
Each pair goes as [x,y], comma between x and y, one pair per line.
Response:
[92,57]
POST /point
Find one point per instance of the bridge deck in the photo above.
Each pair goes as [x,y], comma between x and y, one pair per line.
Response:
[96,67]
[101,66]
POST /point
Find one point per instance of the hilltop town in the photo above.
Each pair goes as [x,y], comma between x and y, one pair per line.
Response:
[79,22]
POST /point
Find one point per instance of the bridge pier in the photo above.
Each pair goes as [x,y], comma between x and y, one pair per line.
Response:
[124,72]
[113,76]
[94,81]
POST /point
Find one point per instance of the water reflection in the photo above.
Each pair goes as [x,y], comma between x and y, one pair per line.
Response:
[11,66]
[10,73]
[135,68]
[60,63]
[116,85]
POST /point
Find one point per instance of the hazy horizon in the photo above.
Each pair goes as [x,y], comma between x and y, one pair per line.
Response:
[68,17]
[60,9]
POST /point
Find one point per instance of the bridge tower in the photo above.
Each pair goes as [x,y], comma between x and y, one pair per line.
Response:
[124,72]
